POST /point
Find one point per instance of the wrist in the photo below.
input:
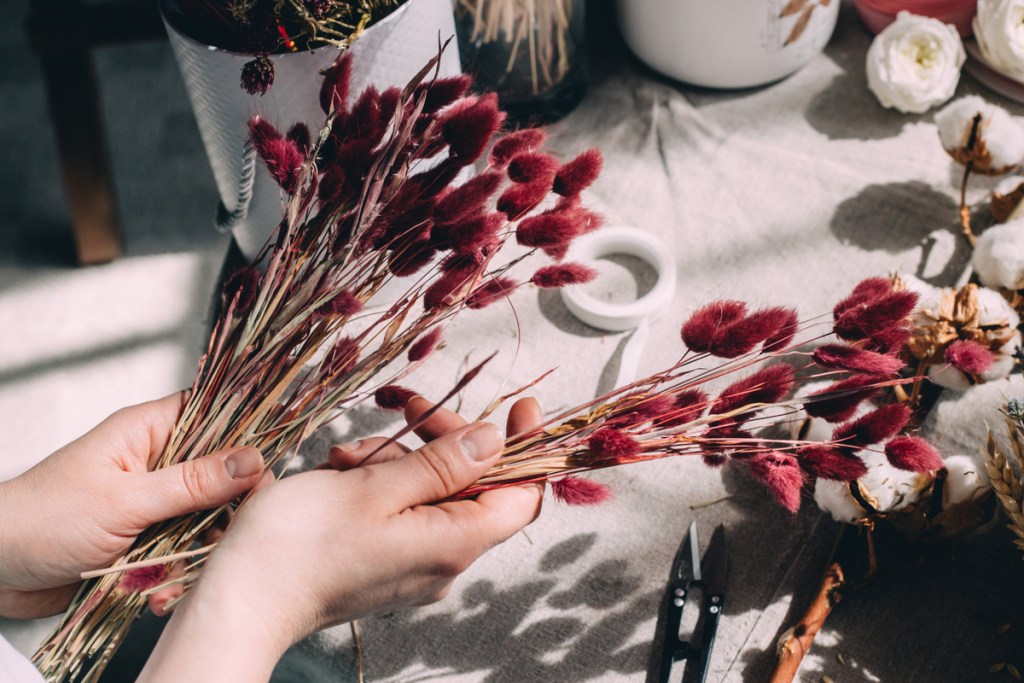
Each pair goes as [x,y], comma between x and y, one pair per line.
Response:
[217,635]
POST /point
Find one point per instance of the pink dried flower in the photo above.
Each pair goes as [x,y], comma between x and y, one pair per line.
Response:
[842,357]
[443,91]
[871,317]
[890,340]
[838,402]
[690,404]
[767,385]
[412,259]
[532,167]
[143,578]
[468,131]
[474,232]
[968,356]
[257,76]
[334,89]
[876,426]
[826,462]
[517,200]
[912,453]
[612,444]
[645,408]
[393,397]
[280,155]
[243,284]
[563,274]
[705,329]
[445,287]
[587,220]
[576,175]
[262,132]
[866,290]
[549,229]
[366,119]
[490,291]
[468,198]
[425,345]
[526,140]
[299,134]
[343,356]
[781,473]
[344,304]
[788,324]
[743,335]
[579,491]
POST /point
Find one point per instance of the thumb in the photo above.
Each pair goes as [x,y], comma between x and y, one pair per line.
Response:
[199,484]
[443,467]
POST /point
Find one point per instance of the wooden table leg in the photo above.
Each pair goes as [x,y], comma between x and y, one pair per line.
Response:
[81,143]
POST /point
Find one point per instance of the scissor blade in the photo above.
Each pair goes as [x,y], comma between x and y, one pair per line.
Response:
[695,551]
[716,563]
[682,565]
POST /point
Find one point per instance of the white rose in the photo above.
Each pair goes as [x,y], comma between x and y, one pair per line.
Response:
[999,28]
[999,256]
[914,64]
[998,145]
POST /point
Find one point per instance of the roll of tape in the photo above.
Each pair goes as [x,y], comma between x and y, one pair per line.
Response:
[619,316]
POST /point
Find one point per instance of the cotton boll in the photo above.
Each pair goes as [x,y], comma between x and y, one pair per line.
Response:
[834,497]
[999,256]
[891,488]
[1006,199]
[995,310]
[966,479]
[1001,135]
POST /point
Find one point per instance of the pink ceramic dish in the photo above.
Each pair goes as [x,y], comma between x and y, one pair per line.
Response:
[877,14]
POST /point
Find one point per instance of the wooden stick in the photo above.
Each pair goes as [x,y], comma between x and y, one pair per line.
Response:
[795,643]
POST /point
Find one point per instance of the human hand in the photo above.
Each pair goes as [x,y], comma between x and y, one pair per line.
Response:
[82,507]
[329,546]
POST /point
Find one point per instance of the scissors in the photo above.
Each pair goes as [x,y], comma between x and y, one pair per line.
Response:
[689,573]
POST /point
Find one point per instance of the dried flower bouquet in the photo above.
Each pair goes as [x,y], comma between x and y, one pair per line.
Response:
[370,199]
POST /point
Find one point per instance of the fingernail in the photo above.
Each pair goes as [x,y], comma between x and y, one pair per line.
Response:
[243,463]
[351,446]
[481,442]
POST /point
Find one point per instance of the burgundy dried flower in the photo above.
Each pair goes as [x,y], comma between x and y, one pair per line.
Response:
[425,345]
[743,335]
[838,402]
[366,120]
[563,274]
[468,131]
[788,324]
[344,304]
[443,91]
[440,293]
[890,340]
[393,397]
[474,232]
[412,259]
[490,291]
[517,200]
[586,220]
[612,444]
[703,330]
[257,76]
[968,356]
[866,290]
[842,357]
[143,578]
[689,406]
[874,427]
[912,453]
[575,176]
[262,132]
[871,317]
[526,140]
[826,462]
[646,408]
[243,284]
[579,491]
[343,356]
[549,229]
[332,185]
[334,89]
[767,385]
[532,167]
[299,134]
[468,198]
[781,473]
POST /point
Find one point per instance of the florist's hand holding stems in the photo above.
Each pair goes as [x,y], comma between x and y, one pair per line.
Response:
[333,545]
[82,507]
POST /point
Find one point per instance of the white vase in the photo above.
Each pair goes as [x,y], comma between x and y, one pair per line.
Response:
[388,53]
[727,43]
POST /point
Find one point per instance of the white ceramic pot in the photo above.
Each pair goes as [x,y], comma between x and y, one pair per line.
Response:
[727,43]
[388,53]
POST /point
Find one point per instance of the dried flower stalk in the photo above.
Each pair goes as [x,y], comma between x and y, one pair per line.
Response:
[371,199]
[1007,481]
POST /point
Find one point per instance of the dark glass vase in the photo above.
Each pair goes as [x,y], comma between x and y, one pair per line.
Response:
[530,52]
